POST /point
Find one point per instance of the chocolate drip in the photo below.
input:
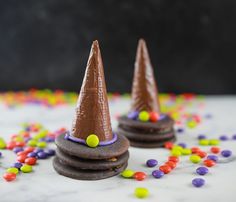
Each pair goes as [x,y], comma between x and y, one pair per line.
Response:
[144,89]
[92,111]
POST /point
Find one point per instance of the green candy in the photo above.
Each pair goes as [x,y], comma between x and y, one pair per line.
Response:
[13,170]
[214,142]
[2,143]
[204,142]
[41,144]
[186,151]
[92,140]
[32,143]
[143,116]
[141,192]
[26,168]
[127,173]
[195,158]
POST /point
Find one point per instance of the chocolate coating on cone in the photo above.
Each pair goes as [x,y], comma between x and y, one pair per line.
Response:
[144,89]
[92,111]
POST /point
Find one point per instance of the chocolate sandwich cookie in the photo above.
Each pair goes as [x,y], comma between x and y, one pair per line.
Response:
[145,125]
[91,151]
[85,174]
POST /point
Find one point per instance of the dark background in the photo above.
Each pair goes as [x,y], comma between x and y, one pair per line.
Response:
[192,43]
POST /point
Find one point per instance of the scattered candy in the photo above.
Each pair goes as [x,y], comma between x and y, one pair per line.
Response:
[30,161]
[173,158]
[165,169]
[214,142]
[127,173]
[204,142]
[26,168]
[213,157]
[215,150]
[139,176]
[141,192]
[198,182]
[202,154]
[151,162]
[9,176]
[195,158]
[209,162]
[226,153]
[158,174]
[202,170]
[13,170]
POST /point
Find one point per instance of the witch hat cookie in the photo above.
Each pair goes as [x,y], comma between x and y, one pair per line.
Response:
[145,125]
[91,151]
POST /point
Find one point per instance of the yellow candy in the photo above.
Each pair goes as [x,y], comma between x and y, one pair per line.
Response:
[195,158]
[141,192]
[92,140]
[214,142]
[186,151]
[204,142]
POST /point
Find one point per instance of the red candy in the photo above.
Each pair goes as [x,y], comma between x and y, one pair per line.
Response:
[29,149]
[11,145]
[202,154]
[22,153]
[215,150]
[153,116]
[209,163]
[20,144]
[171,164]
[195,150]
[140,176]
[174,159]
[21,158]
[169,145]
[165,169]
[31,161]
[9,176]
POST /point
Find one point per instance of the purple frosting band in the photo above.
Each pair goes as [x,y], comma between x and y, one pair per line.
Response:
[82,141]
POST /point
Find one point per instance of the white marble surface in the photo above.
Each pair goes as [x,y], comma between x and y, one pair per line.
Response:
[44,184]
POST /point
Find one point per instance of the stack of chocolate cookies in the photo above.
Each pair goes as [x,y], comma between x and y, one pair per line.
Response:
[91,151]
[145,125]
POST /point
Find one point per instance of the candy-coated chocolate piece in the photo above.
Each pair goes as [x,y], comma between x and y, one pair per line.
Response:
[195,150]
[139,176]
[154,116]
[168,145]
[9,176]
[213,158]
[226,153]
[26,168]
[215,150]
[158,174]
[209,163]
[141,192]
[200,137]
[32,143]
[30,161]
[165,169]
[204,142]
[151,162]
[171,164]
[143,116]
[21,158]
[13,170]
[173,158]
[17,165]
[186,151]
[214,142]
[133,115]
[92,140]
[223,137]
[29,149]
[50,152]
[195,158]
[202,154]
[41,144]
[42,155]
[202,170]
[127,173]
[198,182]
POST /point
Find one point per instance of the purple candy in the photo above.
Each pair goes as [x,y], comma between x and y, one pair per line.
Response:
[198,182]
[49,139]
[32,154]
[226,153]
[223,137]
[133,115]
[17,149]
[182,145]
[38,150]
[180,130]
[213,157]
[202,170]
[0,154]
[27,139]
[200,137]
[151,162]
[50,152]
[157,174]
[17,165]
[234,137]
[42,155]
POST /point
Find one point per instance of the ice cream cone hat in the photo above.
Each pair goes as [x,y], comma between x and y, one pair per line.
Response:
[144,89]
